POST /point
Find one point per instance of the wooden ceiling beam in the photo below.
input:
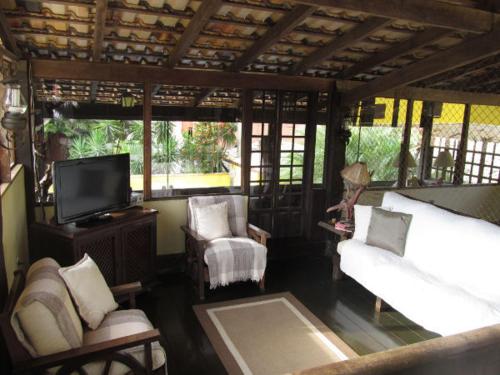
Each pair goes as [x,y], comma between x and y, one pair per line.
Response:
[352,36]
[421,39]
[286,24]
[8,39]
[428,12]
[135,73]
[196,25]
[101,8]
[462,54]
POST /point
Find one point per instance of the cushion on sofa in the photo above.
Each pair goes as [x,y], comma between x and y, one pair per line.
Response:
[456,249]
[89,290]
[119,324]
[362,216]
[44,318]
[236,209]
[388,230]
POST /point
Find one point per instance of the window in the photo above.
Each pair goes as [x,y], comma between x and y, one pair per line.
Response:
[193,155]
[319,154]
[482,162]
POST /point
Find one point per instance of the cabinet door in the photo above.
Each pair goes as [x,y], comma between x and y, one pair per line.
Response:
[103,248]
[139,250]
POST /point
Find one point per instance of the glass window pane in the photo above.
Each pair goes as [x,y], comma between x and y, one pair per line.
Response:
[319,154]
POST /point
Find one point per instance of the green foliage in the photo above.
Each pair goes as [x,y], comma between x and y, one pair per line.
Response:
[205,147]
[165,146]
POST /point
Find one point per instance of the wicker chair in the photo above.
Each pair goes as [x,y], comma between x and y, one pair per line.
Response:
[196,246]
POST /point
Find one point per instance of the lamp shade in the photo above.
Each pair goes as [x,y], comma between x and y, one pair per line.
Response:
[444,160]
[356,174]
[411,163]
[128,100]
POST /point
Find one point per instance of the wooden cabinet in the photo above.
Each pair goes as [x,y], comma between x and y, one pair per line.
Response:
[124,247]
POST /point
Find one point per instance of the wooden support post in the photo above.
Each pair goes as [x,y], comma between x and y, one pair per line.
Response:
[405,146]
[4,158]
[426,121]
[380,306]
[246,142]
[458,173]
[395,113]
[335,153]
[308,167]
[147,117]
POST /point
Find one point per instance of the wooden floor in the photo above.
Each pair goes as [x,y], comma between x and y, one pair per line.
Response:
[345,306]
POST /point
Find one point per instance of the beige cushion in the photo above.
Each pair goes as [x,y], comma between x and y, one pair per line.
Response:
[44,318]
[89,290]
[119,324]
[388,230]
[212,221]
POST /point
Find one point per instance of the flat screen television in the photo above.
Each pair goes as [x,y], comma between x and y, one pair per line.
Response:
[91,187]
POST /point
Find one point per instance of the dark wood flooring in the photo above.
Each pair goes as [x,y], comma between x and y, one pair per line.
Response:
[344,306]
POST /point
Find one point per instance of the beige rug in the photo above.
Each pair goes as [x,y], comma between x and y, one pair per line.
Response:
[273,334]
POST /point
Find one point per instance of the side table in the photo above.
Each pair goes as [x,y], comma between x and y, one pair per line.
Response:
[334,236]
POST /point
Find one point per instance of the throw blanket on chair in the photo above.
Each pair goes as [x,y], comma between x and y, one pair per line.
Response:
[235,259]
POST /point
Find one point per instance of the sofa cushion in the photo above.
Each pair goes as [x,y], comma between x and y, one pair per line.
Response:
[44,318]
[362,216]
[119,324]
[457,250]
[211,221]
[89,290]
[435,305]
[236,209]
[388,230]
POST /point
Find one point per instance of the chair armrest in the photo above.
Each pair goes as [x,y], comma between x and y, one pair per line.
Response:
[130,290]
[193,235]
[258,234]
[88,353]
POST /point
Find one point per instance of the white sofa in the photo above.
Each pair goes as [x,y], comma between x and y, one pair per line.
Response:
[448,280]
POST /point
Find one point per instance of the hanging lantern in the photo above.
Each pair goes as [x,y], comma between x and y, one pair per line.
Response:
[14,107]
[128,100]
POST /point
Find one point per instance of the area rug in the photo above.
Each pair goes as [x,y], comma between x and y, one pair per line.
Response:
[272,334]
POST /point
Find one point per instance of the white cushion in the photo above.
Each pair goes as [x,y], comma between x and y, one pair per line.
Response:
[428,301]
[44,319]
[89,290]
[362,216]
[212,221]
[457,250]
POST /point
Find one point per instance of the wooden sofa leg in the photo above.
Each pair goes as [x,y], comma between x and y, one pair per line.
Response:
[380,306]
[262,283]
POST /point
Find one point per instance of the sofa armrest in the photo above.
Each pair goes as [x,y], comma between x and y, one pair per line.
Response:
[193,235]
[90,353]
[130,290]
[258,234]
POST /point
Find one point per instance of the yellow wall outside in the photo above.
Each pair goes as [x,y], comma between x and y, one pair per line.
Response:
[183,180]
[452,113]
[15,227]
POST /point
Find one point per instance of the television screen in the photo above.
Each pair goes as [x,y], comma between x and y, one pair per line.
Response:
[92,186]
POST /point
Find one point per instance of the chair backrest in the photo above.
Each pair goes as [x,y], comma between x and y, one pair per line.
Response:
[237,210]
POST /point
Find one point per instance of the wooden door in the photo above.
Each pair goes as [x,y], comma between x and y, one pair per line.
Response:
[278,148]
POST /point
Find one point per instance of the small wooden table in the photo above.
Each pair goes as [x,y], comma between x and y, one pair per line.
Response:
[334,237]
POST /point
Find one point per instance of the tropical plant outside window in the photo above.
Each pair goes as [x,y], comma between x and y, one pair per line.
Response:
[190,155]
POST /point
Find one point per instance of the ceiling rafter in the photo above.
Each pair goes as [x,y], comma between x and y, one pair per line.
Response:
[352,36]
[196,25]
[284,26]
[101,8]
[429,12]
[465,53]
[420,40]
[6,36]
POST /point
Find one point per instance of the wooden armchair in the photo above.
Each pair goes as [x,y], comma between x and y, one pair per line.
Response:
[196,246]
[101,355]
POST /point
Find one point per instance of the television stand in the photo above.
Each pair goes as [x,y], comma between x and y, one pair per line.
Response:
[95,220]
[124,246]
